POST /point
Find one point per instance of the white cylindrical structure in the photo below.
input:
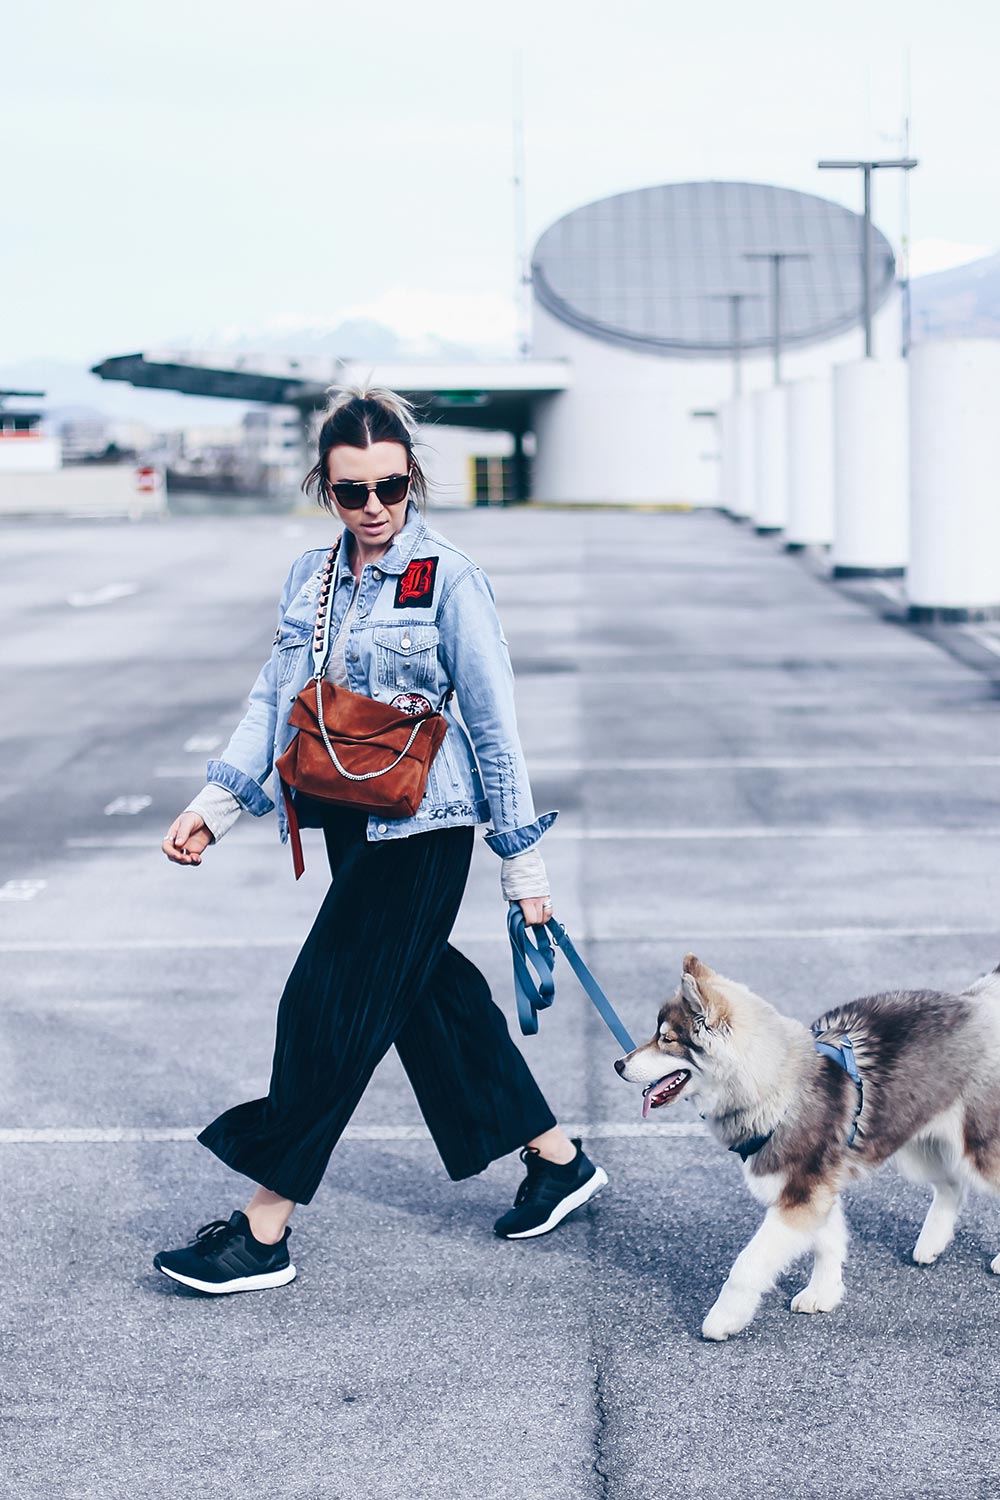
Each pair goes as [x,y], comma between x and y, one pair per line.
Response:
[954,569]
[746,450]
[729,447]
[870,468]
[810,463]
[769,407]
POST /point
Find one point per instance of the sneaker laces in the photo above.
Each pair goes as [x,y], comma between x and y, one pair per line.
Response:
[211,1236]
[529,1188]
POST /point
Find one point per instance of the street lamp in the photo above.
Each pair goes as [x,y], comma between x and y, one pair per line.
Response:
[736,301]
[903,164]
[776,257]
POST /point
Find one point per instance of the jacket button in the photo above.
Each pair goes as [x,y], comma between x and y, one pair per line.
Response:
[376,573]
[405,642]
[382,828]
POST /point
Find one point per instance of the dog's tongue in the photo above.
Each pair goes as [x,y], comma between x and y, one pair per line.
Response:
[648,1094]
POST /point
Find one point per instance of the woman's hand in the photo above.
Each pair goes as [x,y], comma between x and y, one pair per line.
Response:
[536,909]
[186,838]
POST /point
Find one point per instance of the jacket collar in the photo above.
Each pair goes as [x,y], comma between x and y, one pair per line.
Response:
[400,554]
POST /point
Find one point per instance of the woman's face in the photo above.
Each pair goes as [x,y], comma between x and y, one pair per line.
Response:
[376,524]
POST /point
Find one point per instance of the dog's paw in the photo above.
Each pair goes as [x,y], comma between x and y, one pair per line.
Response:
[995,1265]
[927,1249]
[813,1299]
[722,1322]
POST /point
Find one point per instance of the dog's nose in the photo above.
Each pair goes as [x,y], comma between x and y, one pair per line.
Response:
[619,1066]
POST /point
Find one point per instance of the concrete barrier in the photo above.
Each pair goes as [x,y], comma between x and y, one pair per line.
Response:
[870,469]
[770,511]
[80,490]
[954,571]
[810,463]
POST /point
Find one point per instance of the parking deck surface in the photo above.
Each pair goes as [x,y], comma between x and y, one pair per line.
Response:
[747,762]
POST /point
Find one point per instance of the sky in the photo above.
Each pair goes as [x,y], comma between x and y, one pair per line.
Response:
[199,172]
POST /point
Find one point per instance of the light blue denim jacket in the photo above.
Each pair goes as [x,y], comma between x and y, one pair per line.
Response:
[425,619]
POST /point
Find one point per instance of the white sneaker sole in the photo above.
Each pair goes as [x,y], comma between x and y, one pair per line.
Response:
[240,1284]
[566,1206]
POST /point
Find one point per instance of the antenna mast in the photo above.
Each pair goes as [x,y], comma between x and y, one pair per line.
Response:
[522,275]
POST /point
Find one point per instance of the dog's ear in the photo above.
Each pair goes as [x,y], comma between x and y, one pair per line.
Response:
[700,995]
[694,966]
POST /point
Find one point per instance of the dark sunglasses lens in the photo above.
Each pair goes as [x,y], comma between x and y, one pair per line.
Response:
[351,496]
[391,491]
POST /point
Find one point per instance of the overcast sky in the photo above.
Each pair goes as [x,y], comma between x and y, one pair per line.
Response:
[188,171]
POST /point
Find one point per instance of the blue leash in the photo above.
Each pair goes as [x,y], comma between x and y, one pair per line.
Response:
[532,997]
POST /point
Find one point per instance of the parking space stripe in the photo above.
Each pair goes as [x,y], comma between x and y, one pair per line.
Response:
[662,938]
[113,1135]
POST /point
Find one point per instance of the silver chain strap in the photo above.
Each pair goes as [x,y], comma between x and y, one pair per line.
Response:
[321,642]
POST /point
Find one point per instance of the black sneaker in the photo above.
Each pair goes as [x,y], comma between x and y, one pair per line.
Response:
[225,1257]
[549,1193]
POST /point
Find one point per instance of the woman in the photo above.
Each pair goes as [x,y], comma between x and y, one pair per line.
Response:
[410,615]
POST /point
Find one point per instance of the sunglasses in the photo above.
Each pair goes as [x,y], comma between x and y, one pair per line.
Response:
[353,494]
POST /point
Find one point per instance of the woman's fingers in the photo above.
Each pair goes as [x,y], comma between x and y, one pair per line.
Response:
[186,839]
[536,910]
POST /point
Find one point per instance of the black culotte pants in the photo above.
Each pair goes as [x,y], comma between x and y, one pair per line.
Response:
[377,970]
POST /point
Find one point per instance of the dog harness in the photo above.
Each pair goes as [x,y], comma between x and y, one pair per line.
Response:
[842,1054]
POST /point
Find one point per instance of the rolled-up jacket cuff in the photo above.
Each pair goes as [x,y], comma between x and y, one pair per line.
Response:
[250,792]
[515,840]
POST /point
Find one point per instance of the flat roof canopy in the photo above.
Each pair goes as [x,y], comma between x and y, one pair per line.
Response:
[496,394]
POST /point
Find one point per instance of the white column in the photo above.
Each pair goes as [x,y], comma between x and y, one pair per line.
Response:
[770,511]
[736,484]
[746,488]
[870,468]
[955,480]
[810,463]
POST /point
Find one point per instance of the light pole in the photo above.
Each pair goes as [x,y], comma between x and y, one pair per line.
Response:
[903,164]
[777,258]
[736,301]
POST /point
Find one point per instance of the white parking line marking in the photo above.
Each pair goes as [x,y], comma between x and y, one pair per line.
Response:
[127,806]
[21,890]
[663,938]
[983,637]
[106,595]
[733,763]
[202,742]
[93,1135]
[632,835]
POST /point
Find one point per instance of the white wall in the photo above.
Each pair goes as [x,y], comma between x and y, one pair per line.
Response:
[446,454]
[87,490]
[29,454]
[624,431]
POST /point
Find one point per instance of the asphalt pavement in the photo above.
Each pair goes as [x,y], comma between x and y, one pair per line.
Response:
[749,762]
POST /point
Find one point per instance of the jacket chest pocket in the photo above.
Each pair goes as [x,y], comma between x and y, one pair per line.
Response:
[292,642]
[405,655]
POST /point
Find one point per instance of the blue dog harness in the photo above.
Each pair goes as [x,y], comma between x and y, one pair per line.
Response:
[842,1054]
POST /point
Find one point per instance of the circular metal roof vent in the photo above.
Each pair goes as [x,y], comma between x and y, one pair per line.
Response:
[653,268]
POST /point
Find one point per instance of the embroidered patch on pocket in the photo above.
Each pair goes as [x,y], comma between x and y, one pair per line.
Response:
[410,703]
[415,587]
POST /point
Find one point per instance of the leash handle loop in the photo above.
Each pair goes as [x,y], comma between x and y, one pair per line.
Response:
[532,998]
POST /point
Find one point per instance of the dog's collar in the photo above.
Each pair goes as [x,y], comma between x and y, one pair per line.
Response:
[842,1054]
[751,1145]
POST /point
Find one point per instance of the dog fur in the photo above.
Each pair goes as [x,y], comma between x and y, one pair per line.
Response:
[930,1068]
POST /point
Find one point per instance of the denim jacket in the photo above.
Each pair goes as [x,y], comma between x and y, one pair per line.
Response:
[425,620]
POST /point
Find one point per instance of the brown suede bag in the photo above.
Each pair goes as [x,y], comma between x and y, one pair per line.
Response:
[351,750]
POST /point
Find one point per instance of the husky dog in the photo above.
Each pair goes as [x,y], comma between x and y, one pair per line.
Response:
[913,1075]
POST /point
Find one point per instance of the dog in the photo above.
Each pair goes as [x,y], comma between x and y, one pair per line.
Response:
[913,1075]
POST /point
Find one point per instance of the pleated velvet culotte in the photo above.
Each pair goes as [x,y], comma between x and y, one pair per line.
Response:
[377,970]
